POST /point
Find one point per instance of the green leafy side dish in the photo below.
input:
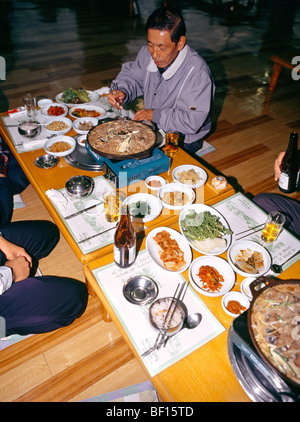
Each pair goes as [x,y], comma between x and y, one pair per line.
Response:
[75,96]
[203,226]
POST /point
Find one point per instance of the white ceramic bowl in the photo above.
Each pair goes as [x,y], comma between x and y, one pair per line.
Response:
[44,102]
[154,249]
[90,107]
[239,297]
[159,179]
[81,140]
[250,246]
[219,264]
[176,187]
[198,208]
[82,120]
[201,173]
[60,138]
[59,119]
[244,287]
[45,109]
[153,202]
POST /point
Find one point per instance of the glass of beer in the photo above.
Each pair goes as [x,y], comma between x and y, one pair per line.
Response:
[273,227]
[111,206]
[171,145]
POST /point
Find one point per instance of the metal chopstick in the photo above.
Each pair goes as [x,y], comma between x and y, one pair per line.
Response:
[83,210]
[249,234]
[158,338]
[166,324]
[251,228]
[95,235]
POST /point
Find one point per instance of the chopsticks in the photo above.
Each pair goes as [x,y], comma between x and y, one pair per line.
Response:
[161,338]
[95,235]
[252,230]
[83,210]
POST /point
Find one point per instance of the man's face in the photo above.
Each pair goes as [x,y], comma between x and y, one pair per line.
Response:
[162,49]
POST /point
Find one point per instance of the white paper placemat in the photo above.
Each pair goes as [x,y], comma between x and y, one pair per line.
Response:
[85,225]
[135,318]
[242,214]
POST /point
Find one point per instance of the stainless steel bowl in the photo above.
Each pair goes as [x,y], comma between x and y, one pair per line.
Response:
[158,312]
[140,290]
[29,129]
[80,186]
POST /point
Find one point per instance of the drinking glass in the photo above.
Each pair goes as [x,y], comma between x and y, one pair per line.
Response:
[171,145]
[273,227]
[111,206]
[29,102]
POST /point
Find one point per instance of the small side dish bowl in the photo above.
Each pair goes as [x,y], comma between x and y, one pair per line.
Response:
[179,173]
[245,287]
[44,102]
[29,129]
[239,251]
[46,161]
[155,182]
[58,125]
[176,196]
[80,186]
[56,146]
[54,110]
[235,297]
[81,140]
[88,122]
[140,290]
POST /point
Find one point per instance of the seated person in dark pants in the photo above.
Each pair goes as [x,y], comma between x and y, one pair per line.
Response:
[287,206]
[30,304]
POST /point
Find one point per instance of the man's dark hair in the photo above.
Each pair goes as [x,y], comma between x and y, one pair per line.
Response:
[169,20]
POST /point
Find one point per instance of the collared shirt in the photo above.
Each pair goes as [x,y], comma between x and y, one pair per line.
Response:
[180,97]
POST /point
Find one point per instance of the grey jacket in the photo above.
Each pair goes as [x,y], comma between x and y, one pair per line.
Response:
[181,97]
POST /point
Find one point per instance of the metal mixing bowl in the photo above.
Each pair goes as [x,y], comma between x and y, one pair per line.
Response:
[29,129]
[80,186]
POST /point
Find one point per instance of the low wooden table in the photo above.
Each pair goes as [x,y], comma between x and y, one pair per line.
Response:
[206,374]
[55,178]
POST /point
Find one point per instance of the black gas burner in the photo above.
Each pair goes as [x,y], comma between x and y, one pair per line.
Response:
[259,382]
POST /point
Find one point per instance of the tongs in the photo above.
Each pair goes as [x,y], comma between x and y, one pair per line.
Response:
[162,335]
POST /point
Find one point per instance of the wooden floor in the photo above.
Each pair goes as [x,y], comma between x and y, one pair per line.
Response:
[68,45]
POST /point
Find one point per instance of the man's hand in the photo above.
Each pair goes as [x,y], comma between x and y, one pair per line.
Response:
[12,251]
[145,114]
[277,165]
[20,268]
[115,98]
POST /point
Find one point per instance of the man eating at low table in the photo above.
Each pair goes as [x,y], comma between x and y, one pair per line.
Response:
[174,80]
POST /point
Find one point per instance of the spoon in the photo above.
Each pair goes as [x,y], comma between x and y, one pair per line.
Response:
[276,268]
[190,322]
